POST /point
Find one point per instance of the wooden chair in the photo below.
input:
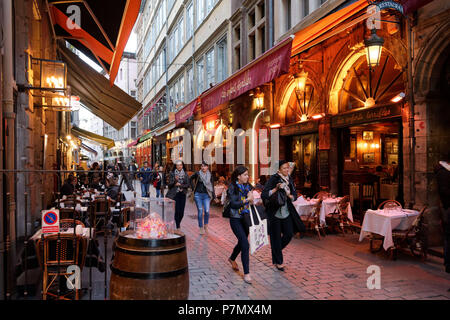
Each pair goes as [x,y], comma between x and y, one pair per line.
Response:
[414,238]
[312,221]
[100,212]
[59,252]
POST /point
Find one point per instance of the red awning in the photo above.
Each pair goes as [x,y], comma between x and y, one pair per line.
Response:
[132,144]
[186,112]
[269,66]
[96,27]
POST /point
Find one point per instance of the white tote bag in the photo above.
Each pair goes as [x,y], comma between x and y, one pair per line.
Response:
[258,233]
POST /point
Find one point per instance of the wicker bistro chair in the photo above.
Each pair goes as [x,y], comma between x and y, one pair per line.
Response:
[68,223]
[321,195]
[59,251]
[414,238]
[389,203]
[67,213]
[312,221]
[339,218]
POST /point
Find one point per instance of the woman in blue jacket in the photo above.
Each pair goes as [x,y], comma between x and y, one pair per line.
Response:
[240,197]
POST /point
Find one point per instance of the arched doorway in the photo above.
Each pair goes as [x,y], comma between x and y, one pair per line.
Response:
[370,140]
[299,139]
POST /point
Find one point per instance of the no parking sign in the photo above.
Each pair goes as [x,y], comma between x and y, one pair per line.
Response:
[50,221]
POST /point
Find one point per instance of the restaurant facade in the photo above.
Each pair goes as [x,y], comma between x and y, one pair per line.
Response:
[346,120]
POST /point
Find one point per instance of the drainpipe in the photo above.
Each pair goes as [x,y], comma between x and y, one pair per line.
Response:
[271,22]
[2,204]
[412,138]
[9,115]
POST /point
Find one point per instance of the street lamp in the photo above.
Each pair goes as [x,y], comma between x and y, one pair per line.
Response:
[300,80]
[374,45]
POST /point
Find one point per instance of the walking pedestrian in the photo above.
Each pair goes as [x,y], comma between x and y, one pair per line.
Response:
[145,176]
[178,186]
[240,198]
[157,180]
[202,184]
[125,177]
[283,218]
[132,168]
[442,171]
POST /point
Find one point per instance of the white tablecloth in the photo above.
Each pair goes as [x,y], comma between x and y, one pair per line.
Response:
[382,222]
[303,206]
[329,205]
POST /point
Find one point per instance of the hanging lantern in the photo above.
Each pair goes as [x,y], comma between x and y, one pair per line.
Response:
[374,45]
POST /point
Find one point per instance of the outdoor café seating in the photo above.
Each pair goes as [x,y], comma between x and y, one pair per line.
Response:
[59,251]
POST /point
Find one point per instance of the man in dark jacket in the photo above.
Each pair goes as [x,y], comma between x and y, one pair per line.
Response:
[145,176]
[442,171]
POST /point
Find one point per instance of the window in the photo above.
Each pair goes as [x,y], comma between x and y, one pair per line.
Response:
[176,40]
[200,76]
[200,11]
[181,90]
[256,31]
[305,8]
[133,131]
[190,84]
[288,8]
[209,68]
[222,60]
[189,21]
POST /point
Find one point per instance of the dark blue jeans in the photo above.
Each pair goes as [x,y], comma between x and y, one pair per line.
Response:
[240,230]
[145,189]
[281,232]
[180,203]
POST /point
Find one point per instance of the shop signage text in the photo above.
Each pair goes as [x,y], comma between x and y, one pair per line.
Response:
[299,128]
[368,115]
[268,68]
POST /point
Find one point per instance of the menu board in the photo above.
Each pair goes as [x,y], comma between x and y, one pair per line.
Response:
[324,169]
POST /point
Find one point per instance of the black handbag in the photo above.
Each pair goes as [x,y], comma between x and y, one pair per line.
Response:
[279,198]
[226,210]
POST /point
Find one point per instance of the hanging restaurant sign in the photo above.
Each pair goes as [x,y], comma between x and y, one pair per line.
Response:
[382,5]
[366,115]
[269,66]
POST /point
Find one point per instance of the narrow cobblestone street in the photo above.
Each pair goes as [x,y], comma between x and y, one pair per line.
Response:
[332,268]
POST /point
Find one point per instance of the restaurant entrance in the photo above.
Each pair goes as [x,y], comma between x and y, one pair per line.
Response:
[302,150]
[370,154]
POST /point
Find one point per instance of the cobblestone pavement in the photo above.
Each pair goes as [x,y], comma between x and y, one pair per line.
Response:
[332,268]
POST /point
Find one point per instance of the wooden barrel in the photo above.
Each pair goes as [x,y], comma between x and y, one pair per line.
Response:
[147,269]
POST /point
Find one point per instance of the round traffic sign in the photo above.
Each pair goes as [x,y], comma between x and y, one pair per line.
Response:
[50,218]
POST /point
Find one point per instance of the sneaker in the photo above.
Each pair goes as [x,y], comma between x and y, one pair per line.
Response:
[202,231]
[247,278]
[206,228]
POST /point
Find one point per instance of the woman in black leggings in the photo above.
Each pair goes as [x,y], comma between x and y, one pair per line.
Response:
[241,197]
